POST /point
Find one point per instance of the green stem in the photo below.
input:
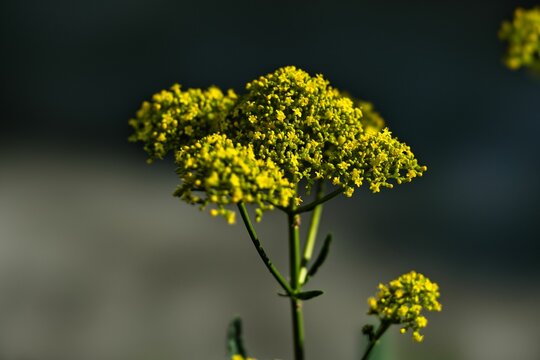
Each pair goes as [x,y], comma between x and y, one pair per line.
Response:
[258,246]
[373,341]
[298,328]
[294,249]
[312,234]
[296,305]
[315,203]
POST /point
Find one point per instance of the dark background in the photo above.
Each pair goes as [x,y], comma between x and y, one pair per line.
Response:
[99,261]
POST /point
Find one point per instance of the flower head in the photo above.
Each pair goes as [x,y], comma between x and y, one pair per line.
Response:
[403,300]
[175,118]
[314,132]
[296,120]
[215,170]
[523,37]
[288,127]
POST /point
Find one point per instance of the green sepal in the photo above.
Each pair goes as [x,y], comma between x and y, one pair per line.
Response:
[235,343]
[321,257]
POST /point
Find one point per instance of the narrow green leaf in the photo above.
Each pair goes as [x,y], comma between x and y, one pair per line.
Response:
[321,257]
[235,344]
[306,295]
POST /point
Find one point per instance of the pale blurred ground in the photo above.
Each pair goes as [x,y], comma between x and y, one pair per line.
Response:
[99,261]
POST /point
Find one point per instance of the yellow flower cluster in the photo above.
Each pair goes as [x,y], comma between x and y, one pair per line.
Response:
[402,301]
[378,159]
[174,118]
[215,170]
[523,37]
[255,148]
[313,132]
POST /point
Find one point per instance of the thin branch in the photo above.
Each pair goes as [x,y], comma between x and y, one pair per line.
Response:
[258,246]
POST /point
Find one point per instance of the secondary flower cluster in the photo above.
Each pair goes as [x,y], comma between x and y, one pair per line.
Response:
[256,148]
[215,170]
[402,301]
[175,118]
[523,37]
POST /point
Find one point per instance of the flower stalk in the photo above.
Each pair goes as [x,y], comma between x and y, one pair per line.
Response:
[374,338]
[260,250]
[296,304]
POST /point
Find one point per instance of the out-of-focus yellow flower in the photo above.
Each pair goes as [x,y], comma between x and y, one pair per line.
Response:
[523,37]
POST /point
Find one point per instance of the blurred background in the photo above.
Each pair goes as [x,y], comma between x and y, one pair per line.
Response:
[98,261]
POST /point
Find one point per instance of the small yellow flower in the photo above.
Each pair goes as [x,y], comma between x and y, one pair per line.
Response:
[212,180]
[403,310]
[421,321]
[279,115]
[417,337]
